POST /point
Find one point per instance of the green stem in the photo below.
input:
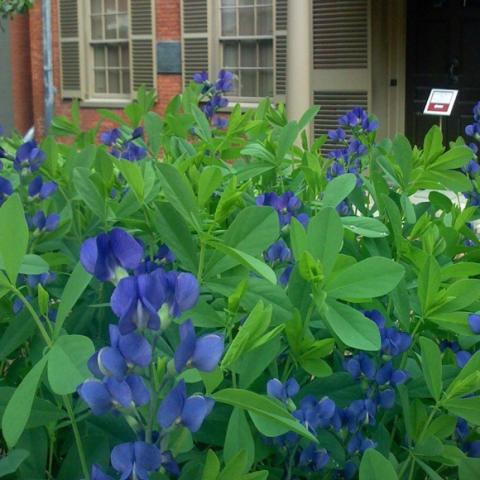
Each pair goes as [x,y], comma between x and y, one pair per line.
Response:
[78,438]
[412,470]
[34,315]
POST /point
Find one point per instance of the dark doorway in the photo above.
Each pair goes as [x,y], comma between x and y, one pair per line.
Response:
[443,51]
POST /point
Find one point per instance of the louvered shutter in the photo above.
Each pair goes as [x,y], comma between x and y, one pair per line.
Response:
[195,38]
[341,73]
[69,49]
[281,7]
[142,44]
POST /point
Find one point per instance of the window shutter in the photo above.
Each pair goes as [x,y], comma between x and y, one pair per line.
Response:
[281,8]
[341,59]
[69,49]
[142,44]
[195,38]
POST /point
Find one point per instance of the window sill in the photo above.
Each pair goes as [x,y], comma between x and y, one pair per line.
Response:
[107,103]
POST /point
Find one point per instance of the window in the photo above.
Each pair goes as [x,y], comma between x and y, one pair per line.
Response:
[246,45]
[109,48]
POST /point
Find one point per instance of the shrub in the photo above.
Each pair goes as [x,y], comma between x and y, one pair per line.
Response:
[199,298]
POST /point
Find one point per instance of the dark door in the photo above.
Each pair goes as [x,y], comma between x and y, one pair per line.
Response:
[443,51]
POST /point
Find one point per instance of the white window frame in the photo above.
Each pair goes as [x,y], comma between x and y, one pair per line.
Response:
[216,39]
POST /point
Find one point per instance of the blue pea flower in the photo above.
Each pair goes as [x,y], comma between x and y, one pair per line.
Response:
[356,147]
[389,375]
[282,391]
[386,398]
[360,412]
[474,323]
[462,430]
[169,464]
[462,357]
[108,255]
[315,414]
[6,189]
[200,77]
[137,133]
[110,394]
[39,189]
[358,444]
[337,135]
[472,130]
[286,205]
[164,254]
[360,364]
[472,168]
[110,137]
[472,449]
[313,457]
[125,352]
[40,279]
[98,474]
[278,252]
[202,353]
[40,222]
[135,460]
[133,152]
[220,122]
[177,408]
[29,158]
[285,275]
[224,81]
[182,290]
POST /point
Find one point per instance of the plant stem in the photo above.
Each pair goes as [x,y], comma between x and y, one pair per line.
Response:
[78,438]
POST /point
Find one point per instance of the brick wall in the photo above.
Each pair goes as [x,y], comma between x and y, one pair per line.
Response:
[168,27]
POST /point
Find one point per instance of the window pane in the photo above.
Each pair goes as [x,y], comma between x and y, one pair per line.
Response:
[126,81]
[230,55]
[97,27]
[125,59]
[113,81]
[229,21]
[235,92]
[100,82]
[228,3]
[123,26]
[265,53]
[110,26]
[266,83]
[246,2]
[264,21]
[96,6]
[99,56]
[248,57]
[246,21]
[113,57]
[249,83]
[110,6]
[123,5]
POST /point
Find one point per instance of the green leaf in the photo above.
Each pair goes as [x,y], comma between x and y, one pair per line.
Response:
[325,237]
[88,192]
[264,407]
[247,261]
[133,175]
[153,128]
[210,179]
[372,277]
[235,467]
[374,466]
[308,117]
[432,144]
[467,408]
[73,290]
[176,234]
[460,295]
[10,463]
[468,469]
[403,155]
[18,331]
[203,130]
[238,437]
[287,136]
[211,469]
[338,190]
[179,193]
[456,157]
[67,363]
[432,366]
[298,238]
[432,474]
[13,236]
[365,226]
[19,407]
[351,326]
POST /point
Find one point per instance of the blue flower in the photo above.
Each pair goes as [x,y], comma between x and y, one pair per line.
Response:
[177,408]
[29,158]
[285,276]
[472,449]
[107,255]
[202,353]
[474,323]
[472,168]
[278,252]
[282,391]
[131,152]
[472,130]
[286,205]
[40,223]
[360,364]
[110,137]
[337,135]
[39,189]
[386,398]
[40,279]
[98,474]
[135,460]
[315,414]
[358,444]
[6,189]
[462,357]
[462,429]
[360,412]
[164,254]
[314,457]
[224,81]
[182,291]
[169,464]
[200,77]
[343,208]
[110,394]
[388,375]
[220,122]
[356,147]
[137,133]
[125,352]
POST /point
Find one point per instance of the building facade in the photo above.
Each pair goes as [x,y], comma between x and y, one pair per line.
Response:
[383,55]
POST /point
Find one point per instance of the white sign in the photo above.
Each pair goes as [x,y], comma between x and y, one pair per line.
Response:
[440,102]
